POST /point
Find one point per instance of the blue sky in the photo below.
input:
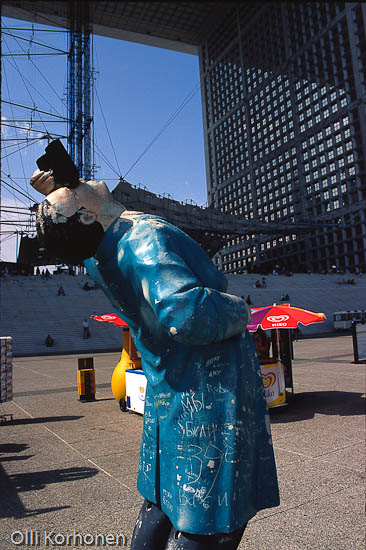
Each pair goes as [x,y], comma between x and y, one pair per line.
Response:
[138,89]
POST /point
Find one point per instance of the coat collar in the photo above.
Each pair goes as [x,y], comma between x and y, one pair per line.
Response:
[111,237]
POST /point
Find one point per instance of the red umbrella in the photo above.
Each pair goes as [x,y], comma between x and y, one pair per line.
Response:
[110,318]
[279,316]
[282,316]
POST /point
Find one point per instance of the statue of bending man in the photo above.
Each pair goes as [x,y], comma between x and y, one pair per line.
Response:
[206,463]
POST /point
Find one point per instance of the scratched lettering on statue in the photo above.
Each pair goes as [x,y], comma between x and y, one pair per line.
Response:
[222,500]
[167,497]
[206,501]
[192,403]
[167,503]
[212,360]
[201,430]
[161,402]
[211,430]
[214,372]
[203,466]
[146,468]
[163,395]
[148,419]
[219,388]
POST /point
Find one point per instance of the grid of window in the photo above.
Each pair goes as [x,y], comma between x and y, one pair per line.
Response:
[226,85]
[262,35]
[330,54]
[329,165]
[360,41]
[220,40]
[307,20]
[285,144]
[271,119]
[236,197]
[231,146]
[275,183]
[317,104]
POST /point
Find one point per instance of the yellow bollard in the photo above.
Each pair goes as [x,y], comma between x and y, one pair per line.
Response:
[86,379]
[129,360]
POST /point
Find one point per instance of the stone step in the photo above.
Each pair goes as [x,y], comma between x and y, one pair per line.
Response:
[31,308]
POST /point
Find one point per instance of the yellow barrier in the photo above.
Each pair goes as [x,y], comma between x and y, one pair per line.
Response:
[86,379]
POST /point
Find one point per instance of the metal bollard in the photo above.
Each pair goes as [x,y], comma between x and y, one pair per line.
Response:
[86,379]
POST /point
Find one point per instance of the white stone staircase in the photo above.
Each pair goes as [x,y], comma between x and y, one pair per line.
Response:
[31,308]
[318,293]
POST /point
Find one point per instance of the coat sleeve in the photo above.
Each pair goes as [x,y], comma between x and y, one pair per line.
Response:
[183,306]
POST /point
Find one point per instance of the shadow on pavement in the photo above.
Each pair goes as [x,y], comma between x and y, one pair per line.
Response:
[303,406]
[41,419]
[34,481]
[12,484]
[97,399]
[13,448]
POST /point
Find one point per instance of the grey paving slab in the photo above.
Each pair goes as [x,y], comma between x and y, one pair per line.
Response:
[316,444]
[332,522]
[67,465]
[121,465]
[351,457]
[101,447]
[285,458]
[53,453]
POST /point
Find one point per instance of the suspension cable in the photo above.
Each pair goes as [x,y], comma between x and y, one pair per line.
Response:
[166,125]
[17,190]
[110,139]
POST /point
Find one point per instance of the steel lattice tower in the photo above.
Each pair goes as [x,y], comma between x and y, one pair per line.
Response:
[80,87]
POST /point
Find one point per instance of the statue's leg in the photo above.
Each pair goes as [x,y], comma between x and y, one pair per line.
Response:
[152,528]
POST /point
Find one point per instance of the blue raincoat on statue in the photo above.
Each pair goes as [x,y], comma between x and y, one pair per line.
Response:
[206,453]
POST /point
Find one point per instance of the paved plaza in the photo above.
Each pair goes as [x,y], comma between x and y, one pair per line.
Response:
[69,468]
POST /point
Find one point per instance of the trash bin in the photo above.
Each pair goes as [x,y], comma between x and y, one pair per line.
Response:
[86,379]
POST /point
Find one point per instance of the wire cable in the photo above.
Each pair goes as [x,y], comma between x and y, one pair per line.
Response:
[110,139]
[103,157]
[20,149]
[34,109]
[32,199]
[166,125]
[16,131]
[17,190]
[31,86]
[31,41]
[15,217]
[40,72]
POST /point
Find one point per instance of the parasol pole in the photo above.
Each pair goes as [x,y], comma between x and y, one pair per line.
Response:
[280,372]
[278,346]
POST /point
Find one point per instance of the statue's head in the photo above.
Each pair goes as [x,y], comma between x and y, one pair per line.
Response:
[72,220]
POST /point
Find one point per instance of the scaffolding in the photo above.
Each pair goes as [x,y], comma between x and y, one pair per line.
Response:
[80,89]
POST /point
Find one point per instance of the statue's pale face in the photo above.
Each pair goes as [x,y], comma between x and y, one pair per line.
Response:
[71,222]
[92,199]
